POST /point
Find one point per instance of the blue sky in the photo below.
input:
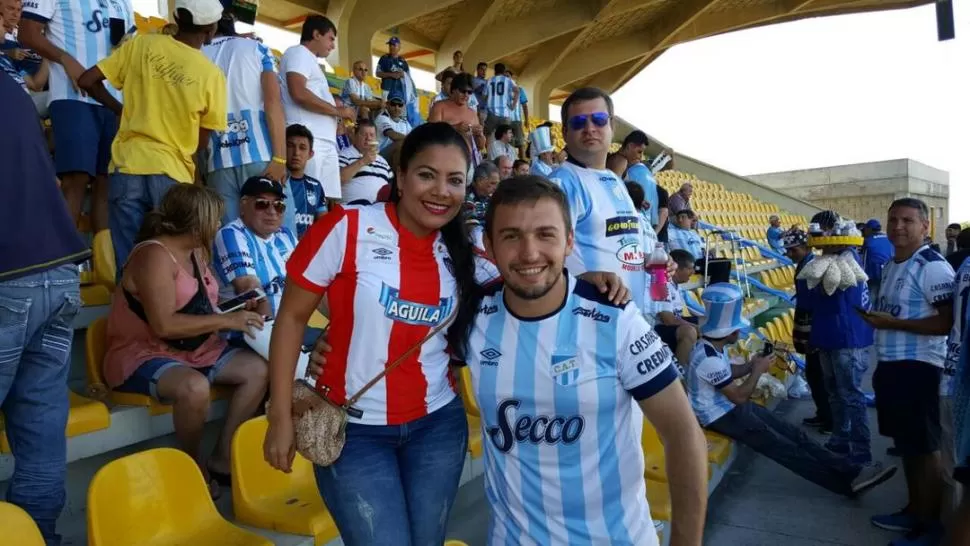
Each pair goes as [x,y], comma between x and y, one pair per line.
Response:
[814,93]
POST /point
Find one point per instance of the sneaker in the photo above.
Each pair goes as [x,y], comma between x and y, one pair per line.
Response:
[813,421]
[901,521]
[870,476]
[921,537]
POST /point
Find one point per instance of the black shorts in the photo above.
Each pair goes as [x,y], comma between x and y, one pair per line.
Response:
[908,405]
[668,333]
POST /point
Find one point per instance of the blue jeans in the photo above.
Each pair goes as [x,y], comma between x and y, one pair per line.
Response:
[395,484]
[130,197]
[36,313]
[788,445]
[228,183]
[843,370]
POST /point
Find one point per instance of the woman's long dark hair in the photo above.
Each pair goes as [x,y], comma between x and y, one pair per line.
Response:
[453,234]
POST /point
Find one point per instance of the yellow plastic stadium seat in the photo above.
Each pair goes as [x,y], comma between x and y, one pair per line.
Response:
[718,447]
[455,543]
[269,499]
[18,524]
[158,497]
[85,416]
[474,436]
[341,72]
[655,462]
[103,260]
[95,294]
[467,394]
[658,495]
[95,347]
[773,332]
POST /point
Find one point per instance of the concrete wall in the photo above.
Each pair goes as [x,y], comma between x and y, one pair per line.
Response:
[866,190]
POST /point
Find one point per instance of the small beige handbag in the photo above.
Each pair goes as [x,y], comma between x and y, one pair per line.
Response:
[320,425]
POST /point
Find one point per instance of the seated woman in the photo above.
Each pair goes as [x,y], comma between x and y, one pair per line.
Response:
[163,332]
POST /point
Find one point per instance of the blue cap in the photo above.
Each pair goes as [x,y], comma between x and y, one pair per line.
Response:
[396,96]
[394,40]
[874,224]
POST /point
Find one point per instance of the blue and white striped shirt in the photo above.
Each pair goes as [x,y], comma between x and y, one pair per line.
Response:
[912,289]
[540,168]
[708,373]
[517,111]
[961,298]
[563,464]
[685,239]
[499,96]
[81,28]
[247,140]
[240,253]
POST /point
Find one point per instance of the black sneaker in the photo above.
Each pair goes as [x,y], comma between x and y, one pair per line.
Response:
[813,421]
[870,476]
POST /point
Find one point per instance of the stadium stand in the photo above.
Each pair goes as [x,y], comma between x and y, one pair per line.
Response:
[164,486]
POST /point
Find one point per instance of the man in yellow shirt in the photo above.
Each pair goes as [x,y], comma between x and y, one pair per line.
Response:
[173,97]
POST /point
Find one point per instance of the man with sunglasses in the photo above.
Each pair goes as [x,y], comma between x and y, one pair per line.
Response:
[358,93]
[458,111]
[251,251]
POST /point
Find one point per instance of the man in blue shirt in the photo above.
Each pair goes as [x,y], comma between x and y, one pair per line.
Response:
[877,249]
[775,234]
[683,236]
[395,75]
[39,287]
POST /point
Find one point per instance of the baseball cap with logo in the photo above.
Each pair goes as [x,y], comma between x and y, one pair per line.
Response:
[396,96]
[874,224]
[257,185]
[394,40]
[204,12]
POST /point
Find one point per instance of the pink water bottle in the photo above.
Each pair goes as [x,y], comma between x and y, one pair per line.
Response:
[657,269]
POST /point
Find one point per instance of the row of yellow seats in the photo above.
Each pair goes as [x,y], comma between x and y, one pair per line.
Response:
[778,279]
[780,328]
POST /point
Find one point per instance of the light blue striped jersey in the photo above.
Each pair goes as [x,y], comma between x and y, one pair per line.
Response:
[247,140]
[499,96]
[642,176]
[685,239]
[239,253]
[607,229]
[517,111]
[309,202]
[911,290]
[563,464]
[81,28]
[708,373]
[961,297]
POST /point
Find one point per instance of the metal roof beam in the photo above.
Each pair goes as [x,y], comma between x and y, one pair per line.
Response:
[501,39]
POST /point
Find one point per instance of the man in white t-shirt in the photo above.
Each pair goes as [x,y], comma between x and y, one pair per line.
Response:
[307,99]
[363,172]
[358,94]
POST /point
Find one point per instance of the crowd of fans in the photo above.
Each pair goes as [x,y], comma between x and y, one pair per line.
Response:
[222,176]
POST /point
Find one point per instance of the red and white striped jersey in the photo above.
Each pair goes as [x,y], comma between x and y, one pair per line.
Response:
[386,290]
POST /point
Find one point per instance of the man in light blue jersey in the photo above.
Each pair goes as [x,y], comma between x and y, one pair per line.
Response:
[913,314]
[254,144]
[519,117]
[633,148]
[500,94]
[556,367]
[74,36]
[952,489]
[251,252]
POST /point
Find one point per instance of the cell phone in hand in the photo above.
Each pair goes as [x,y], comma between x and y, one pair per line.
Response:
[768,349]
[238,302]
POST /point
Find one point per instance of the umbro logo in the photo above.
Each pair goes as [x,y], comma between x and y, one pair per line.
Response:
[490,357]
[382,253]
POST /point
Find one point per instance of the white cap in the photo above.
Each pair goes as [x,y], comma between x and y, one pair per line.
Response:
[204,12]
[541,140]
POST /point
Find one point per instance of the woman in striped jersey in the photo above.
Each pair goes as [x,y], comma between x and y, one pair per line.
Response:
[391,272]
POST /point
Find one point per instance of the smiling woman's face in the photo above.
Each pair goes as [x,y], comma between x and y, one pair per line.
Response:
[432,188]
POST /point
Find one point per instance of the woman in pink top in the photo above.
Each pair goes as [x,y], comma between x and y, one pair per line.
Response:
[162,334]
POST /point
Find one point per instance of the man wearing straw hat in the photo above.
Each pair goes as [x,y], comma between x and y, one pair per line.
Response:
[725,406]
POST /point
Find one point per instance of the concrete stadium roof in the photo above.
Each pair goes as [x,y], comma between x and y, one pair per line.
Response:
[552,46]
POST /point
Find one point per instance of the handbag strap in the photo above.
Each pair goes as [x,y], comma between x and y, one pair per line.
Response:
[399,360]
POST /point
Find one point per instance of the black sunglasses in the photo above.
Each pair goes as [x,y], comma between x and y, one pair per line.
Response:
[265,204]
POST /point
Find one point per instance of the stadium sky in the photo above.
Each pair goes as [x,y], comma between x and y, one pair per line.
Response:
[814,93]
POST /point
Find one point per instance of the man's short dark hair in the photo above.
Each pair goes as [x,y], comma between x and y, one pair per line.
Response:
[584,94]
[526,189]
[364,122]
[499,68]
[682,258]
[461,81]
[686,212]
[518,163]
[481,64]
[963,239]
[636,193]
[296,130]
[913,203]
[955,226]
[501,130]
[318,23]
[636,137]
